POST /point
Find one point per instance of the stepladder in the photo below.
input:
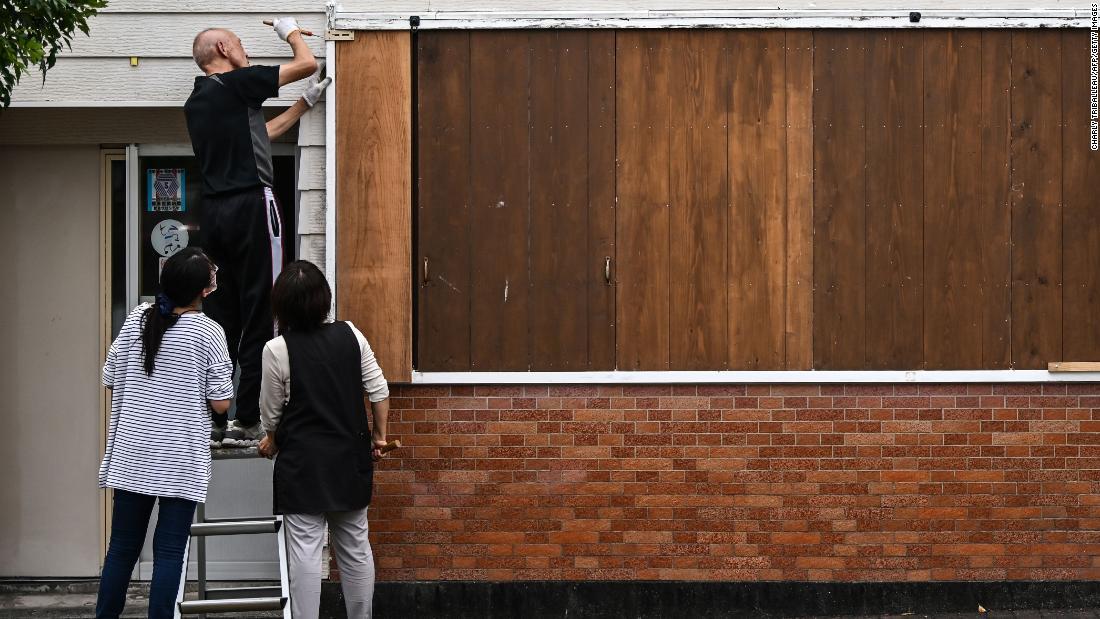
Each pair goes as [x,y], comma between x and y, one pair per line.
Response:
[227,601]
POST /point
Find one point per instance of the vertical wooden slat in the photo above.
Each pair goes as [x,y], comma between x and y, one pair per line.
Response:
[499,160]
[1081,204]
[799,343]
[1036,198]
[601,198]
[757,198]
[558,334]
[443,104]
[995,211]
[373,218]
[895,200]
[839,199]
[697,276]
[953,215]
[642,237]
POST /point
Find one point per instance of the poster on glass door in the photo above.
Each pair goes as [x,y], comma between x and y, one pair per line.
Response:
[167,190]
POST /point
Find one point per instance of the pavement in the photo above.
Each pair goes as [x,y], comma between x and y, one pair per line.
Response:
[42,599]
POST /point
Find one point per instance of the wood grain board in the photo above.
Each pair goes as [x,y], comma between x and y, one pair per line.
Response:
[1081,207]
[373,207]
[771,199]
[895,199]
[443,148]
[1036,198]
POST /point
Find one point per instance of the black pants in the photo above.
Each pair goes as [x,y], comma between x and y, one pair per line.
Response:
[243,235]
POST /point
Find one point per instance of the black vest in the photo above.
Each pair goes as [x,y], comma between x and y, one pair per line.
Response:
[324,462]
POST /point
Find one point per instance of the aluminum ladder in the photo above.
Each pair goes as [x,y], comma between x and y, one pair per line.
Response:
[236,599]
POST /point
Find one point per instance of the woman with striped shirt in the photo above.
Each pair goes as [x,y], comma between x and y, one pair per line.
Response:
[168,364]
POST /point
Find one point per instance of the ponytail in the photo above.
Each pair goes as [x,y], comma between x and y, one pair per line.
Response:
[154,325]
[184,277]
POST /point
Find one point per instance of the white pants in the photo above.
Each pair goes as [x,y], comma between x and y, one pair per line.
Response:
[305,534]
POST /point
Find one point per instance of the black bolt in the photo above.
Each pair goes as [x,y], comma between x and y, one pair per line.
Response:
[914,16]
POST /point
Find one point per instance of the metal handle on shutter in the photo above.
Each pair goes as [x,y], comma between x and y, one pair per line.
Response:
[426,277]
[607,269]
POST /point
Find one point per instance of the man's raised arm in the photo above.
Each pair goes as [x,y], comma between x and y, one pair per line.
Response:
[304,64]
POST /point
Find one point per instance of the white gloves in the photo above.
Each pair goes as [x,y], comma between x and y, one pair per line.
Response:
[284,26]
[315,86]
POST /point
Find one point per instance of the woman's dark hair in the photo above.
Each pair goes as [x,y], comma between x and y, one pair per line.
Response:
[300,298]
[183,278]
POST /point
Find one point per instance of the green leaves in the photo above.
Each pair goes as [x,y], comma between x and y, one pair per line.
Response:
[32,32]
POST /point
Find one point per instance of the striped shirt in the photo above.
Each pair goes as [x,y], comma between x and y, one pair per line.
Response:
[158,437]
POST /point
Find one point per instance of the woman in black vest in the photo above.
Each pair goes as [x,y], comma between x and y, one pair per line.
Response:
[315,376]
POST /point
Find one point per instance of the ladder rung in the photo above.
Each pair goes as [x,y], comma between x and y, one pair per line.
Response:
[244,592]
[239,527]
[198,607]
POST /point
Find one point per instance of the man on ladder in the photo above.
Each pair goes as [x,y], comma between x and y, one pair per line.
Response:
[241,228]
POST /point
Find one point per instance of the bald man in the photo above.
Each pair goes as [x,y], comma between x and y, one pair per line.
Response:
[241,228]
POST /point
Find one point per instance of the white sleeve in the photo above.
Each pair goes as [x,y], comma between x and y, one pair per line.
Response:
[273,392]
[219,369]
[374,383]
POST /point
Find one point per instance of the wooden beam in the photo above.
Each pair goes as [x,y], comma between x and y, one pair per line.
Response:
[374,195]
[1073,366]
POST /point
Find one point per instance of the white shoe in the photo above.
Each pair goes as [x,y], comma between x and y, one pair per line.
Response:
[237,435]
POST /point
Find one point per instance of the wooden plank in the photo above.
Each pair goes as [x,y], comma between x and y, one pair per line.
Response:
[895,200]
[1074,366]
[1036,199]
[558,323]
[601,199]
[952,184]
[443,160]
[799,344]
[995,210]
[499,176]
[839,199]
[373,218]
[698,211]
[757,200]
[1081,206]
[642,128]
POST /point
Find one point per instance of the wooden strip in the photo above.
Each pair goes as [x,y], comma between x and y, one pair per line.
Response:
[757,220]
[953,216]
[698,188]
[499,176]
[1081,206]
[373,218]
[1036,201]
[642,237]
[601,199]
[994,209]
[1074,366]
[895,200]
[443,220]
[558,327]
[799,344]
[839,199]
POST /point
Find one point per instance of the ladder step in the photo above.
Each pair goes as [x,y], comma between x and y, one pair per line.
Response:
[244,592]
[198,607]
[239,527]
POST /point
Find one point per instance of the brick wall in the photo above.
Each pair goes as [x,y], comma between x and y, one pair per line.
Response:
[757,482]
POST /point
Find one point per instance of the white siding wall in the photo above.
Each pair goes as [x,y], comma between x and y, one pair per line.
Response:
[97,70]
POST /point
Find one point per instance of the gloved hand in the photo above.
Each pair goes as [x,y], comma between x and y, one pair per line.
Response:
[284,26]
[315,86]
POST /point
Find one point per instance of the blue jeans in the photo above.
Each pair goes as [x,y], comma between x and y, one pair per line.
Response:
[128,526]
